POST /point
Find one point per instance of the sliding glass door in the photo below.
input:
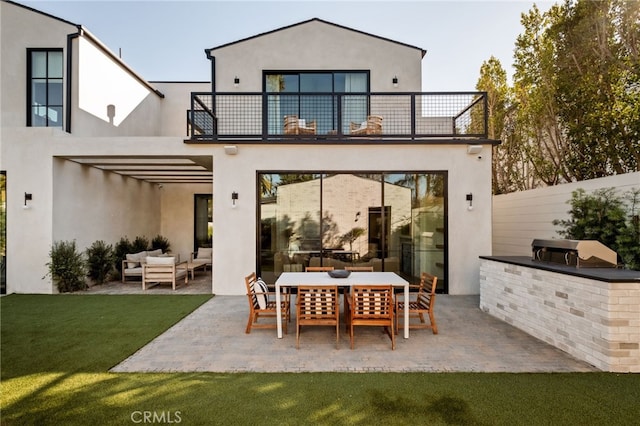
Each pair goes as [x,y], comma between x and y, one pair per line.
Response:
[390,221]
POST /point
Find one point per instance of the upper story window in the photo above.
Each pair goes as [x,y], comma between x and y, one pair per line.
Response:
[311,96]
[44,87]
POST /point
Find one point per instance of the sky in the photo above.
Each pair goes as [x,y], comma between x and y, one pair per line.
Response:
[165,40]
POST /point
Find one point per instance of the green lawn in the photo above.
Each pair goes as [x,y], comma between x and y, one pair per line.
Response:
[56,352]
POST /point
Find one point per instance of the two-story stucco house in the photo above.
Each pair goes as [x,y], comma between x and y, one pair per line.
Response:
[312,144]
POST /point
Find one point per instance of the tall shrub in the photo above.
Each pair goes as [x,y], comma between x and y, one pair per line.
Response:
[160,242]
[100,260]
[120,251]
[67,267]
[604,216]
[141,243]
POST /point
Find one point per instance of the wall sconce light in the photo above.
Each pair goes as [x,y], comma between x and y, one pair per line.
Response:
[474,149]
[395,81]
[236,81]
[357,216]
[470,200]
[234,197]
[27,197]
[230,149]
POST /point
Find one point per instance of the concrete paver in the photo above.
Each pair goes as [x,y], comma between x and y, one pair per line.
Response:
[212,339]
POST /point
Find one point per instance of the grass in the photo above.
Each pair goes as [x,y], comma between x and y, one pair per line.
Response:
[56,352]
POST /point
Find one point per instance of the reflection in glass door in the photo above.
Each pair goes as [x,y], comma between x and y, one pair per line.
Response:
[203,221]
[390,222]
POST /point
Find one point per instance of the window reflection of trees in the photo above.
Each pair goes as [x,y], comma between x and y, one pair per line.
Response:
[407,235]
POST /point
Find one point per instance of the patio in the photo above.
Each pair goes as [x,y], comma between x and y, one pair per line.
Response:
[212,339]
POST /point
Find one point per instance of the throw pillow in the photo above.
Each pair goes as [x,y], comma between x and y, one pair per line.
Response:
[261,292]
[132,261]
[204,253]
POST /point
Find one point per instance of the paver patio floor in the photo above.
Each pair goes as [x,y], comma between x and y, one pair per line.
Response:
[213,339]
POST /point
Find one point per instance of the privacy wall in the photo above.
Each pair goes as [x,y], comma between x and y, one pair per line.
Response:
[520,217]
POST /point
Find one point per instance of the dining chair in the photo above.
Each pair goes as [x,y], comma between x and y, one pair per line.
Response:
[420,304]
[317,306]
[359,268]
[262,304]
[318,268]
[370,305]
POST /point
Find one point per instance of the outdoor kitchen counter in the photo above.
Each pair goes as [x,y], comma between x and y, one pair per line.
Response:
[590,313]
[610,275]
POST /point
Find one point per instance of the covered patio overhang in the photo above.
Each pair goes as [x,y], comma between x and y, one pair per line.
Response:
[115,197]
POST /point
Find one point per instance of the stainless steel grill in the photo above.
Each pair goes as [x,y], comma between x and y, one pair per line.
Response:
[578,253]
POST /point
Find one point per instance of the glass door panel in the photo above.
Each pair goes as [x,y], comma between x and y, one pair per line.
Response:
[289,223]
[349,235]
[418,231]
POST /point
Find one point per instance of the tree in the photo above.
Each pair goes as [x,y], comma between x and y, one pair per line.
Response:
[596,85]
[574,110]
[493,81]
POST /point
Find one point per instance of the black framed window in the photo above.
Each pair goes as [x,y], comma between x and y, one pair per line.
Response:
[330,99]
[45,87]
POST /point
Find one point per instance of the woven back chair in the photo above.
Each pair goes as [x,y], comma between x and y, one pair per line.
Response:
[359,268]
[317,306]
[262,304]
[371,305]
[318,268]
[420,304]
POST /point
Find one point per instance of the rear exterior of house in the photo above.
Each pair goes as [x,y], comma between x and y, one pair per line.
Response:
[311,145]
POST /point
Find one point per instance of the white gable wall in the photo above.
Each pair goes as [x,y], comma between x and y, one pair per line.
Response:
[318,46]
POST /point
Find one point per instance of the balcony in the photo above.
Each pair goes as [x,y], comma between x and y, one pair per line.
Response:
[332,117]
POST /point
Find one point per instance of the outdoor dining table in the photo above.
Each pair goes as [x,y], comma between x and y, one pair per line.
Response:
[295,279]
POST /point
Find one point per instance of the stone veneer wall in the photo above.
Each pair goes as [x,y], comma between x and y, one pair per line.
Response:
[595,321]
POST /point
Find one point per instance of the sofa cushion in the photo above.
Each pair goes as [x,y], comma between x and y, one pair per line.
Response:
[204,253]
[161,260]
[136,259]
[153,253]
[133,271]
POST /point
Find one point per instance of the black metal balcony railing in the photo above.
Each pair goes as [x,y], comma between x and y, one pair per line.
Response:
[323,116]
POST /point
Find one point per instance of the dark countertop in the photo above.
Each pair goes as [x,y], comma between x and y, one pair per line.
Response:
[611,275]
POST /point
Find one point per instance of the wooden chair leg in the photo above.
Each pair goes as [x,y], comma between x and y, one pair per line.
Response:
[434,327]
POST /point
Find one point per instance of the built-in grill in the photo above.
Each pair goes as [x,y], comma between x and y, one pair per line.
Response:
[578,253]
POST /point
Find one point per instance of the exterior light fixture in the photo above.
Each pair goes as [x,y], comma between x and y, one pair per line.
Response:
[27,197]
[395,81]
[230,149]
[474,149]
[470,200]
[234,197]
[236,81]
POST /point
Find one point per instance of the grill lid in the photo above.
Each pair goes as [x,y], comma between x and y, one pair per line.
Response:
[579,253]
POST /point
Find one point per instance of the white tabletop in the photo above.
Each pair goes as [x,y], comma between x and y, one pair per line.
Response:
[294,279]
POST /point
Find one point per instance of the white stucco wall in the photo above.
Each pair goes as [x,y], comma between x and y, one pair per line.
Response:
[235,228]
[21,29]
[90,204]
[317,45]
